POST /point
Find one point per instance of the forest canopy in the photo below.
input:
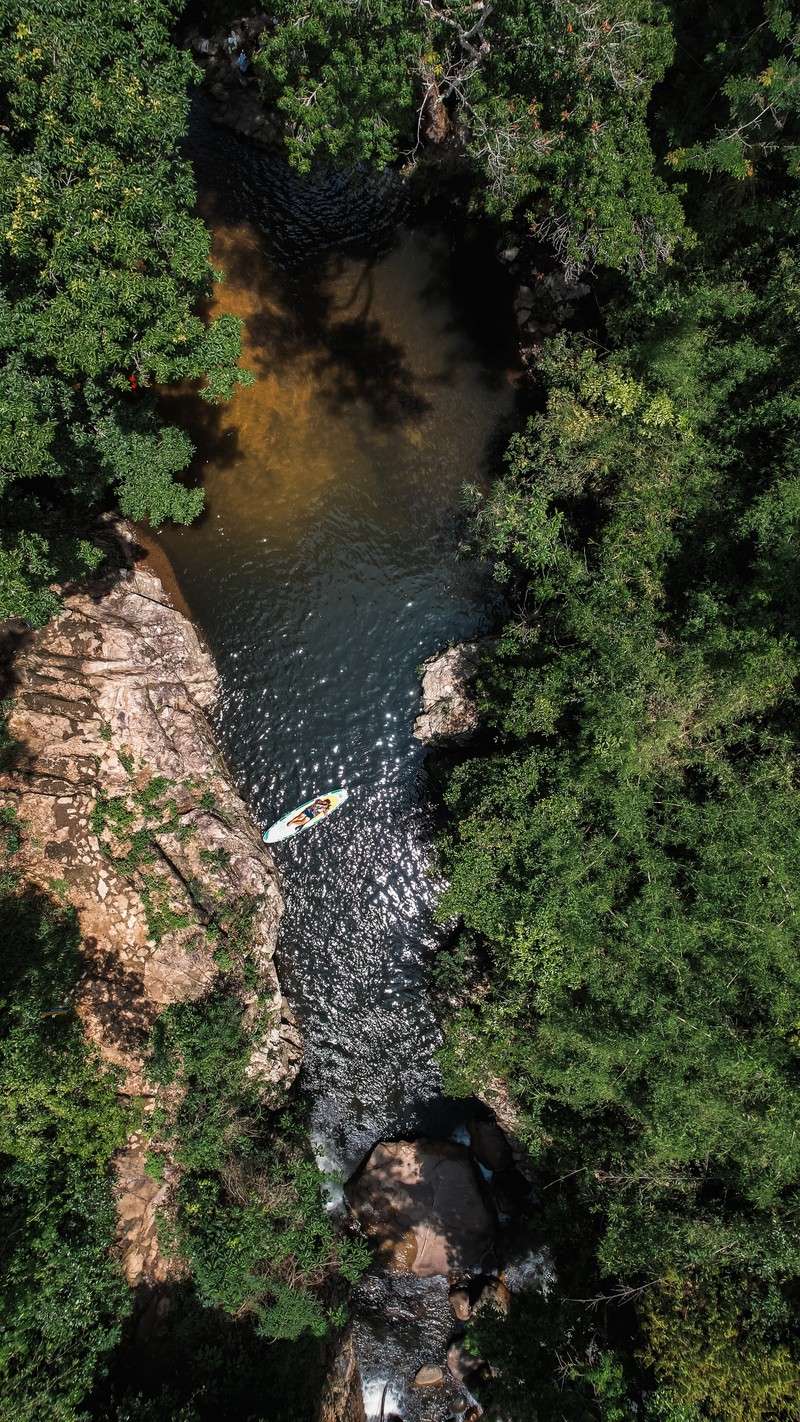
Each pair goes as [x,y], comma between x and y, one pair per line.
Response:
[102,265]
[549,100]
[622,848]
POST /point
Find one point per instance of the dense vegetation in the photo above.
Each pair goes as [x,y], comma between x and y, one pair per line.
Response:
[101,268]
[549,100]
[623,847]
[250,1219]
[62,1298]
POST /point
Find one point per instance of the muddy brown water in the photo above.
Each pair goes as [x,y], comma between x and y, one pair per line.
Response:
[323,572]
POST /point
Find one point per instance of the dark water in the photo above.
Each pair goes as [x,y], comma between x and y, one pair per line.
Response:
[323,573]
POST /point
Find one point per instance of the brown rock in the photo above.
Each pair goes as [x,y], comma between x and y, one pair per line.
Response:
[459,1303]
[489,1145]
[342,1397]
[420,1203]
[449,707]
[494,1295]
[110,694]
[460,1362]
[511,1191]
[429,1375]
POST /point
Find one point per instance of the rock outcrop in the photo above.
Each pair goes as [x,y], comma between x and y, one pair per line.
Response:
[421,1206]
[130,817]
[450,709]
[342,1398]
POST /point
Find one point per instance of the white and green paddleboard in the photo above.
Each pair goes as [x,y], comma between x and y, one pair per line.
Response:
[313,812]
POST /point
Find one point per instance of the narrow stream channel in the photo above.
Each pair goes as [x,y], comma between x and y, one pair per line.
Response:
[323,573]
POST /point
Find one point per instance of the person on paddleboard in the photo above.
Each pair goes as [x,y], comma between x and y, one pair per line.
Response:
[320,806]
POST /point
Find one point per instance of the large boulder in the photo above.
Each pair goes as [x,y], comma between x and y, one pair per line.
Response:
[450,710]
[422,1207]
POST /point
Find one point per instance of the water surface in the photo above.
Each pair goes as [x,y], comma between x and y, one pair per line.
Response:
[323,573]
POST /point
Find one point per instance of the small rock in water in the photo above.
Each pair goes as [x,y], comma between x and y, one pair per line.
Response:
[429,1375]
[460,1362]
[459,1303]
[489,1145]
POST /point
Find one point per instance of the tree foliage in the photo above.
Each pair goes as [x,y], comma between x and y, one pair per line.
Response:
[62,1299]
[624,842]
[754,95]
[101,268]
[250,1218]
[551,98]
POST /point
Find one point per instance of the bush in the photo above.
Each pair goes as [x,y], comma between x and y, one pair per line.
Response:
[62,1298]
[249,1215]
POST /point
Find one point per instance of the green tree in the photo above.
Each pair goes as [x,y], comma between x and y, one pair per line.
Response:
[551,100]
[250,1219]
[752,86]
[62,1298]
[622,843]
[703,1352]
[101,268]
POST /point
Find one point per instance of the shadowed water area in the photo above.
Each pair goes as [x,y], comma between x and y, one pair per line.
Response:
[323,573]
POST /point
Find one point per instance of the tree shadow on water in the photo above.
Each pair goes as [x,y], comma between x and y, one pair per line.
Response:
[301,320]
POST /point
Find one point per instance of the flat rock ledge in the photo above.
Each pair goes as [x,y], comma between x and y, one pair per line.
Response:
[450,708]
[110,695]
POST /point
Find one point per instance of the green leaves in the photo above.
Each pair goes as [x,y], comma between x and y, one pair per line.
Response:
[250,1219]
[623,843]
[698,1339]
[344,80]
[551,100]
[101,269]
[763,94]
[62,1298]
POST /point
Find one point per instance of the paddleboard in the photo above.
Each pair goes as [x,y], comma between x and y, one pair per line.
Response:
[323,805]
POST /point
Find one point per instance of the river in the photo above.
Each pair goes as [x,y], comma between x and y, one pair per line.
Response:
[323,572]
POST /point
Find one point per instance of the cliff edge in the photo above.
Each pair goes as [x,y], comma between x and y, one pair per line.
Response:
[129,816]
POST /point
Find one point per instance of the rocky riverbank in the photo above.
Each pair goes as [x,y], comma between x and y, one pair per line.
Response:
[224,56]
[129,816]
[547,298]
[452,1226]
